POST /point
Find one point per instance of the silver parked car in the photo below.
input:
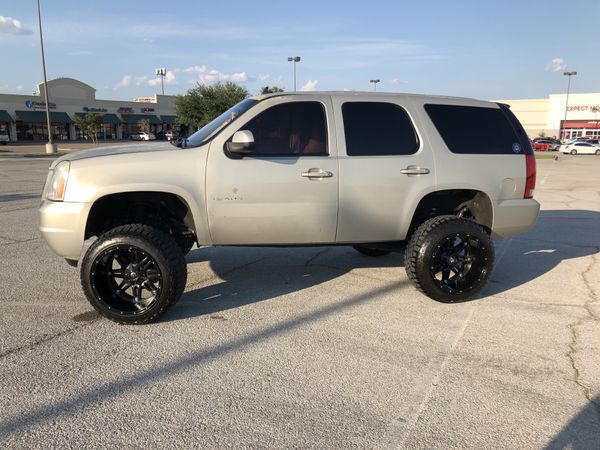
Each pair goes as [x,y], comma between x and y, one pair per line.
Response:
[375,171]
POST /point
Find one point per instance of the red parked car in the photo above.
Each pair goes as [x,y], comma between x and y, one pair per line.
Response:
[544,145]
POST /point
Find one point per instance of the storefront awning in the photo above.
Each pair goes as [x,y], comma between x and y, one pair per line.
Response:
[106,118]
[135,118]
[168,119]
[40,117]
[5,116]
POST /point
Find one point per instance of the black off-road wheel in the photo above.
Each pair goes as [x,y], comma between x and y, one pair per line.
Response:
[133,273]
[370,251]
[449,259]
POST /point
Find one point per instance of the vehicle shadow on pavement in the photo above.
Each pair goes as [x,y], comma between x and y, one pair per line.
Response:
[54,409]
[581,433]
[242,276]
[557,236]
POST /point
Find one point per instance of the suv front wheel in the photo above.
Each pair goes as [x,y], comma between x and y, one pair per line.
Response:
[449,259]
[133,273]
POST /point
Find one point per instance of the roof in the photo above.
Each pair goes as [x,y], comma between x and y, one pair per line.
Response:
[364,94]
[40,116]
[135,118]
[5,116]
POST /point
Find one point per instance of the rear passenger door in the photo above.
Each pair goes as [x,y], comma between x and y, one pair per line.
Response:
[385,167]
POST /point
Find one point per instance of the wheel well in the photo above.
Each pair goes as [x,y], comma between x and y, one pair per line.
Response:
[163,210]
[466,203]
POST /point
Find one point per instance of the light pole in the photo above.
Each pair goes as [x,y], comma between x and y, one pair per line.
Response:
[375,84]
[161,72]
[568,74]
[50,147]
[294,59]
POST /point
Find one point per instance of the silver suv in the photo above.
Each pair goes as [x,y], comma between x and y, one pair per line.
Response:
[437,176]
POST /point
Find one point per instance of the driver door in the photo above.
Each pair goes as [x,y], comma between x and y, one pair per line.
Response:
[286,190]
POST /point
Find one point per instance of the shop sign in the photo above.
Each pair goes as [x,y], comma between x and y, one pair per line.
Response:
[95,110]
[39,105]
[592,108]
[147,110]
[125,110]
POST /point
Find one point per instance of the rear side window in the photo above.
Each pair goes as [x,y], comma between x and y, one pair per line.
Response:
[475,130]
[374,128]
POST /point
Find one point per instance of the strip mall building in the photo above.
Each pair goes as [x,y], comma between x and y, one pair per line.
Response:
[23,117]
[552,117]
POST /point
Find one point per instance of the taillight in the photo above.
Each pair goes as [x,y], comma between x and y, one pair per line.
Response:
[530,176]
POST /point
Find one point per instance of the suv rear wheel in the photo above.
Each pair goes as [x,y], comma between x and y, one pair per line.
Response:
[449,259]
[133,273]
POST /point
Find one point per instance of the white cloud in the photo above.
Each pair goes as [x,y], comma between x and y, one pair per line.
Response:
[19,88]
[196,69]
[214,76]
[170,79]
[139,80]
[399,81]
[310,85]
[128,81]
[556,65]
[125,82]
[9,25]
[209,76]
[263,77]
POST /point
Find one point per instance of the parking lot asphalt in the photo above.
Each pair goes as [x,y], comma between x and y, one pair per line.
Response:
[310,347]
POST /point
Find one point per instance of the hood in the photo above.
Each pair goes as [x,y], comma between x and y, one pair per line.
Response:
[116,150]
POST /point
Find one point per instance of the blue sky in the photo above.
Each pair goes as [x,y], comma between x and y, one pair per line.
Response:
[485,49]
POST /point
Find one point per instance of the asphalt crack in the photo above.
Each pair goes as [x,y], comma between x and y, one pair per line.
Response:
[591,316]
[44,339]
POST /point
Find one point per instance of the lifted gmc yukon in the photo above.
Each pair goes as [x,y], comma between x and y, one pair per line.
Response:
[440,176]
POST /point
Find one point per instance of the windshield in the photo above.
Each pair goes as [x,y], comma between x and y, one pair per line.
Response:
[212,128]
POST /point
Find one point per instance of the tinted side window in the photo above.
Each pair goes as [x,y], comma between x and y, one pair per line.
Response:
[378,129]
[296,128]
[469,129]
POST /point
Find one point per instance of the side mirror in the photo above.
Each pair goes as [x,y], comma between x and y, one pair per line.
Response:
[242,143]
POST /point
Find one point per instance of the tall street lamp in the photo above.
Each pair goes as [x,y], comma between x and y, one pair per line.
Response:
[50,147]
[375,84]
[294,59]
[568,74]
[161,72]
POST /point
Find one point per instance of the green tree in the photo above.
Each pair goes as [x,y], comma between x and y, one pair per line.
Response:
[89,125]
[202,104]
[144,126]
[270,90]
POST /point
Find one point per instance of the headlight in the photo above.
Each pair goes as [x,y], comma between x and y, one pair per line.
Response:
[58,183]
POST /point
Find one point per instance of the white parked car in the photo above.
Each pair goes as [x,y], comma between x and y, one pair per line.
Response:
[4,138]
[142,137]
[583,148]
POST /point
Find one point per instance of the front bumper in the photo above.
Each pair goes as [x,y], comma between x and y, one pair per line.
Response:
[513,217]
[62,225]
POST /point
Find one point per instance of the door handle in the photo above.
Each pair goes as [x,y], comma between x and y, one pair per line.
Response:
[317,174]
[414,170]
